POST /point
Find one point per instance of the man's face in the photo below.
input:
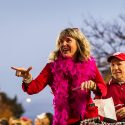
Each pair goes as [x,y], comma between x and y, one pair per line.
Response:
[118,69]
[43,121]
[37,122]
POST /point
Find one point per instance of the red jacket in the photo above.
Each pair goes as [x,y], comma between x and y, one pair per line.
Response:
[45,77]
[117,92]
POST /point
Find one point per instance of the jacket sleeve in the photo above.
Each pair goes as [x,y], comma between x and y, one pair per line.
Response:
[101,90]
[39,82]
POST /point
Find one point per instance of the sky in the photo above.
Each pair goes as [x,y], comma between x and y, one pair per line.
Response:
[28,31]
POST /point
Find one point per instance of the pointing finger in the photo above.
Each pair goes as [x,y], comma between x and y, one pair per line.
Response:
[19,69]
[14,68]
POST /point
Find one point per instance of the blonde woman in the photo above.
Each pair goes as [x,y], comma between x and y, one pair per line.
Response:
[72,74]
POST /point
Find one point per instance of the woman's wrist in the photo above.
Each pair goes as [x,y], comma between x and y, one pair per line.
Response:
[94,87]
[28,80]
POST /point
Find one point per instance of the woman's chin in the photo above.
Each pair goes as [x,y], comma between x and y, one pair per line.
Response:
[67,56]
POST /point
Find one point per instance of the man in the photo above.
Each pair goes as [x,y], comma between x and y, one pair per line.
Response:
[44,119]
[116,86]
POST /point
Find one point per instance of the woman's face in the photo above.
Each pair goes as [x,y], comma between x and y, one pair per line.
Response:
[68,47]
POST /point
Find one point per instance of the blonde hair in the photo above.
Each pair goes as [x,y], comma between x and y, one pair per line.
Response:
[83,52]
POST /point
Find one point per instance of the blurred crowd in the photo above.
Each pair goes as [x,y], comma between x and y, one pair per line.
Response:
[41,119]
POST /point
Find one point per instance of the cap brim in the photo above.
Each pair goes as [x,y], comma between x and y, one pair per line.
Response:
[117,57]
[110,58]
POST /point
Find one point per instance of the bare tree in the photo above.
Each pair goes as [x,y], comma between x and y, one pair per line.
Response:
[106,38]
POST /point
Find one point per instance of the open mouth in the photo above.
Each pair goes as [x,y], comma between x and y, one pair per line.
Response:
[65,49]
[117,73]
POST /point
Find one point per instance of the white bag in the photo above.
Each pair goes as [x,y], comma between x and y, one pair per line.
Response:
[106,107]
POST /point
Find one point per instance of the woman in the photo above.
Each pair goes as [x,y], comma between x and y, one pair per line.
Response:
[71,74]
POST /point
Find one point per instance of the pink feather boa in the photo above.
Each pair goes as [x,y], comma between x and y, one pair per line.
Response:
[69,74]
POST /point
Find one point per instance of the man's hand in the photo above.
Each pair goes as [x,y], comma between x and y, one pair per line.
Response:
[121,112]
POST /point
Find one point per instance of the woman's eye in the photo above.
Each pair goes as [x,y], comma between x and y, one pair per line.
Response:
[68,40]
[60,42]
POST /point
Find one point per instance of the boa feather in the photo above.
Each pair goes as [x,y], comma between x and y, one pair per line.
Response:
[69,74]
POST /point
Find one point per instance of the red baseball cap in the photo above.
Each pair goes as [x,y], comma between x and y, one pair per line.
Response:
[118,55]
